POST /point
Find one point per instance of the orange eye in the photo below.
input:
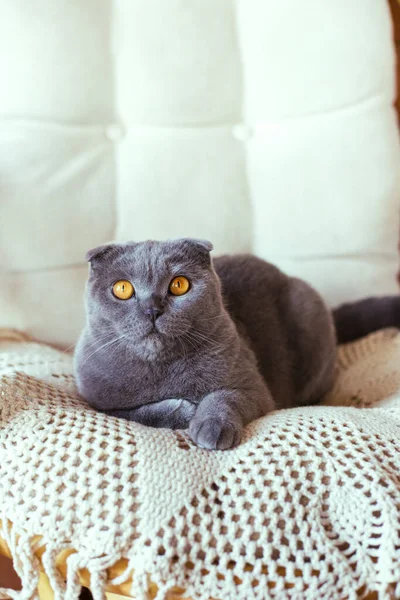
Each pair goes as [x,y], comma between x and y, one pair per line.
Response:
[179,286]
[123,289]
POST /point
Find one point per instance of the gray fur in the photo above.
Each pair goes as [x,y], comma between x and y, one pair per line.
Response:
[357,319]
[244,340]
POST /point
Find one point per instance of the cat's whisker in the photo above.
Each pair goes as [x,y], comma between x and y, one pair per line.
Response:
[200,336]
[69,348]
[99,340]
[182,345]
[106,345]
[116,346]
[104,333]
[183,337]
[208,319]
[194,339]
[103,336]
[189,343]
[215,348]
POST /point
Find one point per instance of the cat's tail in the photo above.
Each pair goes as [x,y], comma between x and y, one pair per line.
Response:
[357,319]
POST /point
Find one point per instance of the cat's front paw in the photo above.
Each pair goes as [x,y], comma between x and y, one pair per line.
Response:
[215,433]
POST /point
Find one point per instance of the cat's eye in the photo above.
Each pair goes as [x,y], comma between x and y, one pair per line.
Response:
[179,285]
[123,289]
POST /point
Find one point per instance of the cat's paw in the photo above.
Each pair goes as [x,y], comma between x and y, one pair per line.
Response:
[214,433]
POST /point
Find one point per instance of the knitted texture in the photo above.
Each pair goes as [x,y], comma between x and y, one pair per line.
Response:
[307,507]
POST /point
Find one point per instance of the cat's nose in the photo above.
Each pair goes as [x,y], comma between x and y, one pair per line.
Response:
[153,312]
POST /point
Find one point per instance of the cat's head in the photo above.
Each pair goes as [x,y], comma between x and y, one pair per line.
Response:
[155,294]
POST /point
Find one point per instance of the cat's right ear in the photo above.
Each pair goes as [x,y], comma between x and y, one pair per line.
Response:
[98,254]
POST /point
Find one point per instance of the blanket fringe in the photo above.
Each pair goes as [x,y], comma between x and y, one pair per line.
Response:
[22,547]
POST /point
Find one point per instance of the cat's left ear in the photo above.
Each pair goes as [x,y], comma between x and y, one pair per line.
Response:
[197,249]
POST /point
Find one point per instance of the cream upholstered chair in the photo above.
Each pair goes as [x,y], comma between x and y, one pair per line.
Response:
[263,126]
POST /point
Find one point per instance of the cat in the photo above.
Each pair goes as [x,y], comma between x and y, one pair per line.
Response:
[175,339]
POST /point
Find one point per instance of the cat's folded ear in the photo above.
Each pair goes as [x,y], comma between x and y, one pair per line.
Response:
[100,253]
[196,249]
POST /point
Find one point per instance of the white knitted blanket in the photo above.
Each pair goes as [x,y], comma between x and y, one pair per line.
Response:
[307,507]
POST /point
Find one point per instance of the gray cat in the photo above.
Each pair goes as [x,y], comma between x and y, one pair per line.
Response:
[173,339]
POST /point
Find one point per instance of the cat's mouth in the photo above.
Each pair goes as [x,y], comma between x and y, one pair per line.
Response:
[150,344]
[153,331]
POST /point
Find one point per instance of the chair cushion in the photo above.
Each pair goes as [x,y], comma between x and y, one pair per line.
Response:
[264,126]
[308,505]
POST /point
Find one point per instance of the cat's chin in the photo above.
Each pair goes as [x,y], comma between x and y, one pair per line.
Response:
[150,347]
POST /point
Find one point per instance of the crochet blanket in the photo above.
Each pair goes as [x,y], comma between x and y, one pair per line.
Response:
[307,507]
